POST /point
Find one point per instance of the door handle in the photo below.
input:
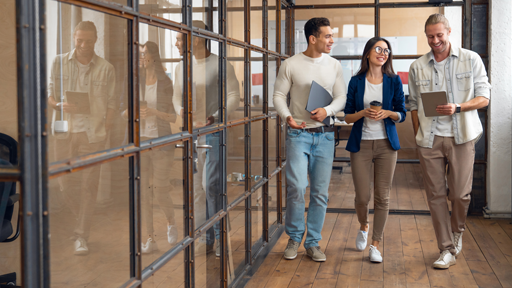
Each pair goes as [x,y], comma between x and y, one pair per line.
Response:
[204,146]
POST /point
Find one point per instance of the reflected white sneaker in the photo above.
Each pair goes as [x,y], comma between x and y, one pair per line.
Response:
[446,259]
[375,255]
[172,234]
[457,242]
[361,240]
[217,247]
[81,247]
[149,246]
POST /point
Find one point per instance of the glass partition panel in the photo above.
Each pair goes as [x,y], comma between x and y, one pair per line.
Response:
[235,83]
[350,68]
[207,182]
[256,151]
[351,28]
[321,2]
[87,69]
[205,14]
[408,1]
[283,32]
[272,75]
[170,10]
[272,145]
[206,100]
[256,84]
[235,27]
[272,15]
[256,220]
[236,241]
[160,62]
[256,23]
[10,252]
[90,226]
[171,275]
[162,209]
[207,259]
[235,151]
[8,82]
[272,201]
[405,28]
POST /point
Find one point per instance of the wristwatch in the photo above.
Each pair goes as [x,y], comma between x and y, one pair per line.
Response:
[457,110]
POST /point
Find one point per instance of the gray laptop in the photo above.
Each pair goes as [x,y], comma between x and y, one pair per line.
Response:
[319,98]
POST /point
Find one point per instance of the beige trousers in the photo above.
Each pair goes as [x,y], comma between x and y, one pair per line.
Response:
[434,162]
[384,158]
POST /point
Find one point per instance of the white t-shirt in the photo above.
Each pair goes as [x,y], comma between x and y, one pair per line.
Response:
[444,124]
[78,120]
[373,130]
[149,126]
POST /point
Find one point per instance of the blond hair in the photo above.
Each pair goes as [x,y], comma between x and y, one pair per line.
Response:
[86,26]
[435,19]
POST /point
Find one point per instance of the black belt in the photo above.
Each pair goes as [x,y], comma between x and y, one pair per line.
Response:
[321,129]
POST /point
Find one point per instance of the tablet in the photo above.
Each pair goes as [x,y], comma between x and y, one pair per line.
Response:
[80,100]
[430,102]
[319,98]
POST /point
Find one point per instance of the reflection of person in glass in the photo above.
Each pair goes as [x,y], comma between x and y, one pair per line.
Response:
[82,127]
[205,112]
[156,112]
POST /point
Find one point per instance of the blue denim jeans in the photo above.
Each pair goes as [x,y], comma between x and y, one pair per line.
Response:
[307,153]
[213,177]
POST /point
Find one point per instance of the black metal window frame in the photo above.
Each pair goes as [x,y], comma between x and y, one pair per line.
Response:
[34,171]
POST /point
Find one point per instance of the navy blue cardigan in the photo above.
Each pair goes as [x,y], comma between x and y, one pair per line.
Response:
[392,99]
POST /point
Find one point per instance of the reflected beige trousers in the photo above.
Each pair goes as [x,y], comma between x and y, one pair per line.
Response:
[384,158]
[81,187]
[460,160]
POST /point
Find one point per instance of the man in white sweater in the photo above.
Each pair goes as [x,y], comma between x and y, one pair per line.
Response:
[310,144]
[205,111]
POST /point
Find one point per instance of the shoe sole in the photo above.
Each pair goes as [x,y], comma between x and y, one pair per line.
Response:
[438,266]
[376,261]
[290,257]
[81,253]
[317,260]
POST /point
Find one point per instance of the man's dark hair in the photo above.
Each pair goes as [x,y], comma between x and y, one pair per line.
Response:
[313,25]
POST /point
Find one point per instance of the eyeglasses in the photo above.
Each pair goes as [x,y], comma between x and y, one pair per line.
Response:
[379,50]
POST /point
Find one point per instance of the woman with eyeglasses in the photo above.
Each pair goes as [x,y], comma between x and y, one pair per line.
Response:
[375,102]
[156,114]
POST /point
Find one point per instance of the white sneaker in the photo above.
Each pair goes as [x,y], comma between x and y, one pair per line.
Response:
[457,242]
[362,238]
[149,246]
[446,259]
[81,246]
[375,255]
[172,234]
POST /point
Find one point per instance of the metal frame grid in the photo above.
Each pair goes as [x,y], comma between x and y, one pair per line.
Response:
[34,172]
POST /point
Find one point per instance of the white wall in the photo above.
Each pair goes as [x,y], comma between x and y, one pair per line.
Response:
[499,173]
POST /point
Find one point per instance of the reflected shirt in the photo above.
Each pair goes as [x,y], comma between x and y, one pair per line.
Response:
[149,126]
[205,88]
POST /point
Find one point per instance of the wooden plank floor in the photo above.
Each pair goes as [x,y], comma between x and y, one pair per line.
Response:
[408,248]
